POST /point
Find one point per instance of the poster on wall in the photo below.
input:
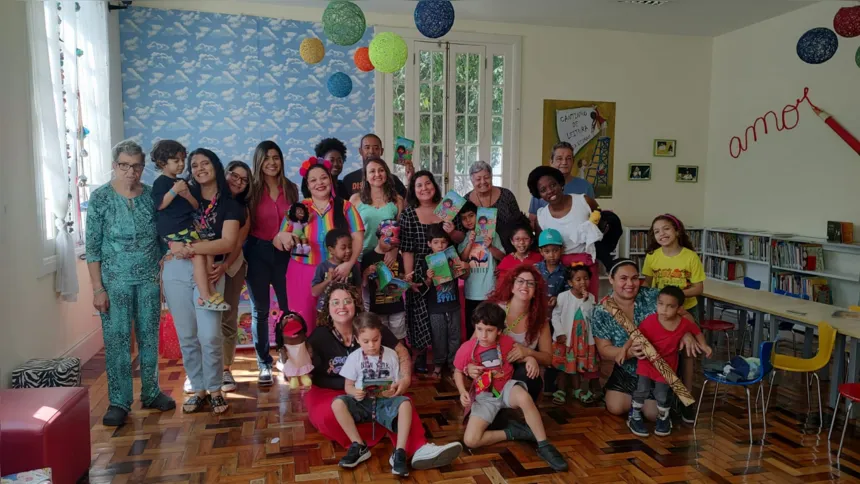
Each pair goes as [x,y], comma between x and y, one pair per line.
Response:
[589,126]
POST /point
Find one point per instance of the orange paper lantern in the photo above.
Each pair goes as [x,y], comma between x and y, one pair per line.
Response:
[362,59]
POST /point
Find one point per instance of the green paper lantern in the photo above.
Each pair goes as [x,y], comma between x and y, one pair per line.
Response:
[857,57]
[343,22]
[388,52]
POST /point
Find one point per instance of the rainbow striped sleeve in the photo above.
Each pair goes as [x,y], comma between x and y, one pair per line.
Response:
[353,218]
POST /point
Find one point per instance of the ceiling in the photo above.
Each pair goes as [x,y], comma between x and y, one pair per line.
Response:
[681,17]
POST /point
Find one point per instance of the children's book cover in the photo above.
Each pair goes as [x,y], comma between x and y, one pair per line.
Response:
[438,263]
[388,284]
[403,150]
[450,206]
[451,254]
[485,227]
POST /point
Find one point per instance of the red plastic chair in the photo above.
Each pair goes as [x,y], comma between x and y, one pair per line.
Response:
[851,391]
[720,326]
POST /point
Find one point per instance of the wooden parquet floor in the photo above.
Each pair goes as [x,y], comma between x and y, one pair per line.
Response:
[266,438]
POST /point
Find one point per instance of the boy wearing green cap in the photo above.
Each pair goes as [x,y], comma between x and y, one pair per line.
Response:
[550,246]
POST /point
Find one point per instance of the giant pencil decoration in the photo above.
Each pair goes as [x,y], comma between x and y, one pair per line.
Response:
[659,363]
[835,126]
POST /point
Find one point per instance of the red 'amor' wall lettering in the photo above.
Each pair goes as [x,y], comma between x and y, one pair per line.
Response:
[789,119]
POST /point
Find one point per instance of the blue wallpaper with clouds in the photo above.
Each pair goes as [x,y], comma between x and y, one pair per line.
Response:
[226,82]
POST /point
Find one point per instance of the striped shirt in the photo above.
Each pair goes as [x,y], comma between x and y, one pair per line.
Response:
[318,226]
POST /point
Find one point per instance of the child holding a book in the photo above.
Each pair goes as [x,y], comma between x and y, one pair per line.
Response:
[368,374]
[443,298]
[338,242]
[574,353]
[550,245]
[385,303]
[521,239]
[664,330]
[672,260]
[481,254]
[496,389]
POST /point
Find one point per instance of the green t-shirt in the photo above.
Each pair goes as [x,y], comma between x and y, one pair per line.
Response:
[482,269]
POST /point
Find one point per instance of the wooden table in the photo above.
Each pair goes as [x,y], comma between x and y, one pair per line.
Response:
[807,313]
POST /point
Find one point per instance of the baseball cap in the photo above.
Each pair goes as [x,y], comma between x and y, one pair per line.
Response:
[549,237]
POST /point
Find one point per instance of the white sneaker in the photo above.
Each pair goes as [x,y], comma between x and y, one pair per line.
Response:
[228,383]
[430,456]
[186,387]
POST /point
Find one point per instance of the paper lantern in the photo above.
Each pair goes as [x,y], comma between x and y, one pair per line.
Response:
[388,52]
[339,85]
[312,50]
[857,57]
[434,18]
[362,59]
[343,22]
[817,45]
[846,22]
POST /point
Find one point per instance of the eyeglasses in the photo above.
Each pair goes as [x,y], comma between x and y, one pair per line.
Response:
[137,167]
[525,282]
[235,176]
[341,302]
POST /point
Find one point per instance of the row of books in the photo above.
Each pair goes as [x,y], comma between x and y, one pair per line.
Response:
[696,239]
[726,270]
[725,244]
[639,240]
[811,288]
[797,255]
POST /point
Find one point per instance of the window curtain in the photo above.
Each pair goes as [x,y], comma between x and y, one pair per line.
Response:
[68,42]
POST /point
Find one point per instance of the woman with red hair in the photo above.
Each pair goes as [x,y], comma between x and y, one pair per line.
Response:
[518,292]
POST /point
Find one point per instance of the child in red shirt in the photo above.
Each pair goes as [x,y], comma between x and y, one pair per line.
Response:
[521,239]
[495,389]
[664,330]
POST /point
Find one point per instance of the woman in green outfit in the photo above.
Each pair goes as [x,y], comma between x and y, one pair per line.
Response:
[377,200]
[122,258]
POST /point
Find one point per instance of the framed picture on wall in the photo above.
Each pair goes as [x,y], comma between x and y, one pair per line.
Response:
[639,171]
[686,174]
[665,147]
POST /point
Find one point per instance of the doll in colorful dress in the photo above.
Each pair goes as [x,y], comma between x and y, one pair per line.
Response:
[294,360]
[295,223]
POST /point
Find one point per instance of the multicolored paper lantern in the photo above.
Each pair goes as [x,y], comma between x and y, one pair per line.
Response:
[343,22]
[434,18]
[817,45]
[362,59]
[846,22]
[339,84]
[388,52]
[312,50]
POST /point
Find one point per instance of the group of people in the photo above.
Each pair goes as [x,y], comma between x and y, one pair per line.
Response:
[205,231]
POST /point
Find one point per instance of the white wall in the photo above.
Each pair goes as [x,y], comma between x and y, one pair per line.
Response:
[659,83]
[790,181]
[34,323]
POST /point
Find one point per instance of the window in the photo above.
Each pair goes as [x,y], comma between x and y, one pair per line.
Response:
[457,100]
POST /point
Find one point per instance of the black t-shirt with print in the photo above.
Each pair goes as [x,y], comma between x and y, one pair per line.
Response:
[379,302]
[210,221]
[352,184]
[177,216]
[329,355]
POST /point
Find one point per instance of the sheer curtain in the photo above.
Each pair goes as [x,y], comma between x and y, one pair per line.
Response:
[69,55]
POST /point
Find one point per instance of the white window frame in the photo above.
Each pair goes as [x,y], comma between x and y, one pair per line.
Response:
[507,45]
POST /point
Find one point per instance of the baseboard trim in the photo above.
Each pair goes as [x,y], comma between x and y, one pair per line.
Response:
[88,346]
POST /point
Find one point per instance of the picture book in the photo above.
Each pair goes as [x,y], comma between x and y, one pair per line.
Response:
[377,384]
[453,256]
[439,264]
[450,206]
[403,150]
[388,283]
[485,227]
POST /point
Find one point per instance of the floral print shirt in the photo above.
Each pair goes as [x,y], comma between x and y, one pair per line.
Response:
[604,326]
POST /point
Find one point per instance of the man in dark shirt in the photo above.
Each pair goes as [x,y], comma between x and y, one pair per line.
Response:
[371,145]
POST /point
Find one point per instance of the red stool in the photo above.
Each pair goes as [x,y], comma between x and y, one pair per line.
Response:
[720,326]
[45,427]
[850,391]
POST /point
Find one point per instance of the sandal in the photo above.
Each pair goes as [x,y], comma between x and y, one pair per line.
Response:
[559,397]
[195,404]
[587,398]
[214,303]
[219,404]
[437,373]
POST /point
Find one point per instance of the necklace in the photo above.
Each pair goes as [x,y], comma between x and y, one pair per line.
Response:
[481,201]
[510,327]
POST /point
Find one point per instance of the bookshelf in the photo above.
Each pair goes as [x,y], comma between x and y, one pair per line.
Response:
[815,269]
[731,254]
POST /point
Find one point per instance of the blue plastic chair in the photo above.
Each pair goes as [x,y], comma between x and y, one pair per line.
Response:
[718,378]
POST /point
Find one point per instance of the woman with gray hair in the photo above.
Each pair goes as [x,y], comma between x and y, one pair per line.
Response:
[122,259]
[486,195]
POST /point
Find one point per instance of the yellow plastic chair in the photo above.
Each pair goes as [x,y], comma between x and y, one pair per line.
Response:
[826,341]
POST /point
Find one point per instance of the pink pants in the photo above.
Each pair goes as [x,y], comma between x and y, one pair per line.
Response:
[594,282]
[318,402]
[299,297]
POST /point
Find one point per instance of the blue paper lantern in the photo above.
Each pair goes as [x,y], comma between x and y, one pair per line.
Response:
[434,18]
[817,45]
[339,85]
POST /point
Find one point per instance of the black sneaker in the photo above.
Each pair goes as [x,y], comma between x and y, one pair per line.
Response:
[398,463]
[637,424]
[519,431]
[552,457]
[663,426]
[355,455]
[688,413]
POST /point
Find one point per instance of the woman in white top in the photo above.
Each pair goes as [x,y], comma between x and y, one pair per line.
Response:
[572,215]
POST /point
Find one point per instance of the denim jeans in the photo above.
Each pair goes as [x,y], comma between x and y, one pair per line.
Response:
[266,266]
[199,330]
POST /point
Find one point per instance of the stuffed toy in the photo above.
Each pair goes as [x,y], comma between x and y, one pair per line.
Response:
[294,360]
[298,219]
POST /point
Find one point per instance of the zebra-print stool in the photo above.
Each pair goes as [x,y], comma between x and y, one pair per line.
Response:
[42,373]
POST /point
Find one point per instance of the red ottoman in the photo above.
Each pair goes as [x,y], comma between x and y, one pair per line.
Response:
[45,427]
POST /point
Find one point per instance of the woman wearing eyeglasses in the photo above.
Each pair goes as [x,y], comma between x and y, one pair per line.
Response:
[122,259]
[517,291]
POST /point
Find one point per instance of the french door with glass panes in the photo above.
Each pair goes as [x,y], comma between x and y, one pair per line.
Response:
[454,101]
